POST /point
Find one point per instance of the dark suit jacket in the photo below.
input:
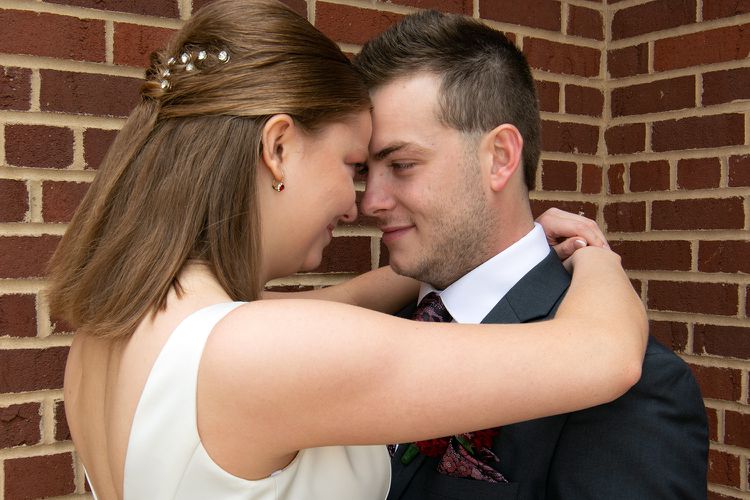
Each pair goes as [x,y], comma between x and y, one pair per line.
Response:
[651,443]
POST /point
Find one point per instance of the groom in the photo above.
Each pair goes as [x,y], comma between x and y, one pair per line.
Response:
[454,151]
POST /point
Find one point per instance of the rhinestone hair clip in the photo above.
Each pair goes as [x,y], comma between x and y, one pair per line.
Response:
[191,60]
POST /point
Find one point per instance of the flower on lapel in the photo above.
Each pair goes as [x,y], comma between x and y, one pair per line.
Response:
[473,442]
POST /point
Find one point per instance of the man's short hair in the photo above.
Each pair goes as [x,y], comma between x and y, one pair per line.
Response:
[485,79]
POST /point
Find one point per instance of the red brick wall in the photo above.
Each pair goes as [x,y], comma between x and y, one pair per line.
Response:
[646,128]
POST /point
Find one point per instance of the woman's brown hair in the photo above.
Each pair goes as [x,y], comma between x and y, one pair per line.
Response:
[179,181]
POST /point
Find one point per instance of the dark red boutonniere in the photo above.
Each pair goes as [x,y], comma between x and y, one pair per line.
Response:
[475,444]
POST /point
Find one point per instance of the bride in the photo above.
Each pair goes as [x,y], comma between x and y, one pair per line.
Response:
[233,170]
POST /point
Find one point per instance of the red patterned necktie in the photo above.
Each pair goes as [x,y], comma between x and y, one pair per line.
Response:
[456,460]
[431,308]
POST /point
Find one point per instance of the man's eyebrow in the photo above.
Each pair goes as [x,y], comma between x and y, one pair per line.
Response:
[388,150]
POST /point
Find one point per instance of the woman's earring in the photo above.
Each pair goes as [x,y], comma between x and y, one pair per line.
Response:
[278,186]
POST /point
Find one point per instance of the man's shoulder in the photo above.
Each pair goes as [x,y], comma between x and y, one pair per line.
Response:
[665,370]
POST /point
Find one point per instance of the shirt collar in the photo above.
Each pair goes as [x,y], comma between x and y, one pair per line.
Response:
[470,298]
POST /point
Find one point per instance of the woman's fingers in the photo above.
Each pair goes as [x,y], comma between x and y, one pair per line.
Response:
[559,225]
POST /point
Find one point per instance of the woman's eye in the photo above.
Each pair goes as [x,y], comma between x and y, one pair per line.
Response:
[361,168]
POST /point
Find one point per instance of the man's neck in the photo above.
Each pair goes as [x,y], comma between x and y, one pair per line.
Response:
[471,297]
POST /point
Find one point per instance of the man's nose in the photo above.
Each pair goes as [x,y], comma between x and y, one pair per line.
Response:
[377,197]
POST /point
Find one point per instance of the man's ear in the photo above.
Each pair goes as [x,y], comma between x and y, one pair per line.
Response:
[502,147]
[275,137]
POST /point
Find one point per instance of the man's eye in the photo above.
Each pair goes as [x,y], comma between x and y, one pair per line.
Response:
[401,166]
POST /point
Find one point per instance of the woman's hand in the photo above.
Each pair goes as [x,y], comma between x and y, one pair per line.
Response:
[568,232]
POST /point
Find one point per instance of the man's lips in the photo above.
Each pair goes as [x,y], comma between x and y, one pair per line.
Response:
[392,233]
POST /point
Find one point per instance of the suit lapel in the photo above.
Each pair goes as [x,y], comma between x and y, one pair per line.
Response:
[536,296]
[523,447]
[401,474]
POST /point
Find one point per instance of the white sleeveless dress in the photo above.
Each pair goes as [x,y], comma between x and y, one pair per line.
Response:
[166,459]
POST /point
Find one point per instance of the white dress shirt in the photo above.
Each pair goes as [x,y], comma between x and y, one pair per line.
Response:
[470,298]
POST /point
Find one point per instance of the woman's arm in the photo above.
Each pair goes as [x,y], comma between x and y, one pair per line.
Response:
[301,374]
[385,291]
[380,290]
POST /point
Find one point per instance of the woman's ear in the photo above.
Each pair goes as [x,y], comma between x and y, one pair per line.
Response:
[503,148]
[275,136]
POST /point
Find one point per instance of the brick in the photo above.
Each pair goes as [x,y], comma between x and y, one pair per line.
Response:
[699,132]
[726,86]
[616,178]
[625,217]
[718,383]
[723,468]
[20,425]
[628,61]
[739,171]
[159,8]
[696,214]
[96,143]
[15,198]
[18,315]
[351,24]
[134,43]
[544,14]
[716,9]
[38,146]
[587,23]
[707,298]
[548,94]
[731,43]
[649,176]
[652,16]
[654,97]
[637,286]
[725,341]
[346,255]
[561,58]
[583,100]
[577,207]
[724,256]
[713,495]
[454,6]
[670,333]
[737,429]
[698,173]
[298,6]
[713,424]
[61,198]
[15,89]
[653,255]
[25,256]
[591,178]
[559,175]
[626,139]
[62,430]
[569,137]
[39,477]
[51,35]
[24,370]
[85,93]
